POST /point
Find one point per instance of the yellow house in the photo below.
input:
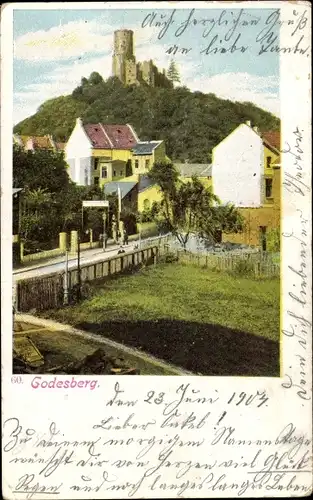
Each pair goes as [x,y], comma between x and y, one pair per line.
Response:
[145,154]
[99,153]
[246,173]
[148,193]
[262,224]
[137,189]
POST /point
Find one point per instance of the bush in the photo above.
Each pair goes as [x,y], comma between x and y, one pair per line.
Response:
[273,240]
[168,258]
[243,268]
[75,295]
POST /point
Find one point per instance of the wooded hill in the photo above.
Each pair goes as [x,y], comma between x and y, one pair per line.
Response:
[191,123]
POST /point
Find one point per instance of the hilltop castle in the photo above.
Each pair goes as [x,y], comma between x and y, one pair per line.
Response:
[127,70]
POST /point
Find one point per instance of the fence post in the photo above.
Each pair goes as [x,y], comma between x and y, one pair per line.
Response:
[63,241]
[21,251]
[74,242]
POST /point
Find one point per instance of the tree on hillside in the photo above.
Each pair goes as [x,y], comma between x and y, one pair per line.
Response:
[95,78]
[173,73]
[190,123]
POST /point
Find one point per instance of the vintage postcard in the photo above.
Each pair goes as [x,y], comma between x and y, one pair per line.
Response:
[156,250]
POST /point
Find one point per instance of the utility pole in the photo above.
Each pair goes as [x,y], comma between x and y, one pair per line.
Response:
[78,267]
[66,279]
[119,209]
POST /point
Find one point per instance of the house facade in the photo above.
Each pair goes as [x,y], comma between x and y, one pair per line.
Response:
[138,193]
[145,154]
[100,153]
[246,173]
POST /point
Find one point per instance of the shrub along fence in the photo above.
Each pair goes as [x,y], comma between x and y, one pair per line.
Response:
[258,264]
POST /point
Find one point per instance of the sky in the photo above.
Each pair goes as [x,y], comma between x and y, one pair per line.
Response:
[54,49]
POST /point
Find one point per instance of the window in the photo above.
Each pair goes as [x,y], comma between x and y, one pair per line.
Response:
[96,181]
[136,163]
[147,164]
[268,188]
[121,173]
[268,162]
[96,163]
[146,204]
[114,173]
[104,173]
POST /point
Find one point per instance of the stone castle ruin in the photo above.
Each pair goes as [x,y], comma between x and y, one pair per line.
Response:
[128,70]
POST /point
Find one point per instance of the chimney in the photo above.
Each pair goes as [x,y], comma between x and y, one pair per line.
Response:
[79,122]
[248,123]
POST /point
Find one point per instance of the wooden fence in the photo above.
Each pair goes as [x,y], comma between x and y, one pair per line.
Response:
[114,265]
[257,263]
[48,292]
[39,293]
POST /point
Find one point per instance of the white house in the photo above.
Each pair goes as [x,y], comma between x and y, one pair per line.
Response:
[238,167]
[98,153]
[78,152]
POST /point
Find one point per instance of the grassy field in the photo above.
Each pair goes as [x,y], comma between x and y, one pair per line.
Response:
[206,322]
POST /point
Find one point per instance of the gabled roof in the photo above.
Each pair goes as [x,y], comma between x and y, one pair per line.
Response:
[145,147]
[103,136]
[190,169]
[144,183]
[125,187]
[272,138]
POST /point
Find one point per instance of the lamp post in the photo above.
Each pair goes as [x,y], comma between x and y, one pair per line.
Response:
[78,267]
[104,242]
[140,222]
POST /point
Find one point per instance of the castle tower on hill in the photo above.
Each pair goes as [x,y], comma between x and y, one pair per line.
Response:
[125,68]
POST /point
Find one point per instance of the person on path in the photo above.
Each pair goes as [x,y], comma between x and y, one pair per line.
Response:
[125,237]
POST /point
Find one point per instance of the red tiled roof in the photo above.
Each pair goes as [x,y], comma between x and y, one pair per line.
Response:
[60,146]
[121,136]
[97,136]
[110,136]
[272,138]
